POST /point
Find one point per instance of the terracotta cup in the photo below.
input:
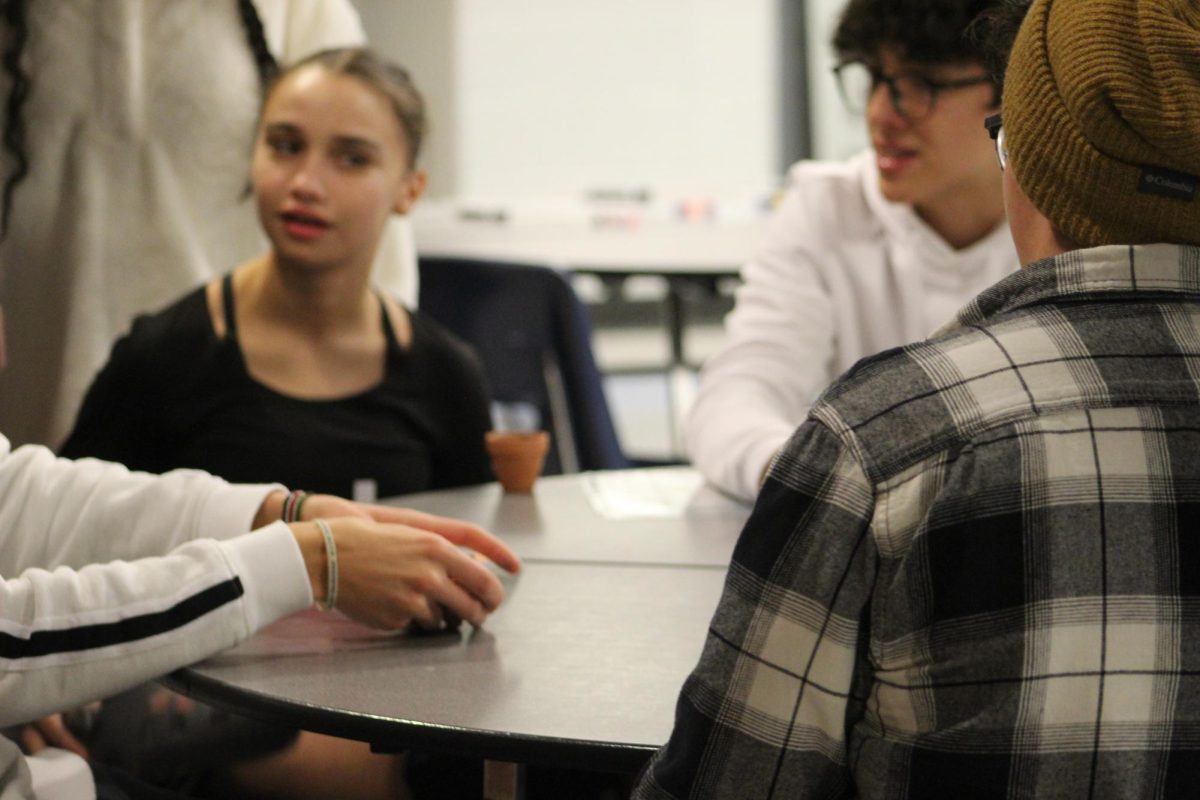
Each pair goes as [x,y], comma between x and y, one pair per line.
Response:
[517,457]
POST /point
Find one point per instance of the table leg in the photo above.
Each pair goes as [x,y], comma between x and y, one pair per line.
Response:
[503,780]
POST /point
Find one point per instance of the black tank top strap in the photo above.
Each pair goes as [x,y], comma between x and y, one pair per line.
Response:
[227,305]
[389,332]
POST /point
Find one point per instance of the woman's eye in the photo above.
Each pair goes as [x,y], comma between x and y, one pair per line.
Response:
[284,145]
[353,158]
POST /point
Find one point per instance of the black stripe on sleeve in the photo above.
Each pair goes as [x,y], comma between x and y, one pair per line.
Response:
[131,629]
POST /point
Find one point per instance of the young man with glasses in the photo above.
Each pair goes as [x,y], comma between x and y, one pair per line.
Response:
[974,571]
[868,254]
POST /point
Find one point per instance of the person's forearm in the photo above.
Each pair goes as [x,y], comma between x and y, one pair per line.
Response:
[732,434]
[270,510]
[99,630]
[57,512]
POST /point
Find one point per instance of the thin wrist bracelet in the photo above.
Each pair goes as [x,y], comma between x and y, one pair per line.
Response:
[292,505]
[331,567]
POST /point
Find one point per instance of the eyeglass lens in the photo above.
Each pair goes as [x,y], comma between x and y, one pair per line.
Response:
[857,82]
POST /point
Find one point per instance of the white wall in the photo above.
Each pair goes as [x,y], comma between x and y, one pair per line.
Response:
[671,94]
[553,97]
[836,132]
[421,35]
[535,98]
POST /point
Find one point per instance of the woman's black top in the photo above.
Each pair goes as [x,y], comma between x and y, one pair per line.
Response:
[174,395]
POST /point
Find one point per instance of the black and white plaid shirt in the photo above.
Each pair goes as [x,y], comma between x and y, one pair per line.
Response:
[974,572]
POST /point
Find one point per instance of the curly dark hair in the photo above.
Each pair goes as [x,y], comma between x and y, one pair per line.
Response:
[16,27]
[994,32]
[918,31]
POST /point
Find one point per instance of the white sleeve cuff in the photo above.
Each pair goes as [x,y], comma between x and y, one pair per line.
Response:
[230,510]
[272,572]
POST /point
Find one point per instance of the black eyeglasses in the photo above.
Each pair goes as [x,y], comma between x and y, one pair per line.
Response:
[913,95]
[995,129]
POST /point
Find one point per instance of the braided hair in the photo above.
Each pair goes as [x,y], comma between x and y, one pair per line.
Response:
[256,38]
[994,32]
[16,24]
[14,18]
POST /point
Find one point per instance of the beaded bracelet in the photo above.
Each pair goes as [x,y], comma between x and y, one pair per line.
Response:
[331,567]
[292,505]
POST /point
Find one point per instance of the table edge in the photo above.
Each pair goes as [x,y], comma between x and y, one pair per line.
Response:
[390,735]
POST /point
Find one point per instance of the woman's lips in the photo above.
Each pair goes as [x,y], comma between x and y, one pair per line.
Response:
[303,226]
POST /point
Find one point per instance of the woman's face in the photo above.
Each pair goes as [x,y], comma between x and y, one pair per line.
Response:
[330,165]
[929,161]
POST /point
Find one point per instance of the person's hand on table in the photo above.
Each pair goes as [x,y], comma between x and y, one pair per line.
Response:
[466,534]
[398,566]
[391,575]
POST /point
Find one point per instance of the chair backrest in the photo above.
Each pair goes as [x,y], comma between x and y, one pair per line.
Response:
[534,337]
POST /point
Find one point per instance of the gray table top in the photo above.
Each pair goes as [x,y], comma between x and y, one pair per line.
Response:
[580,667]
[661,515]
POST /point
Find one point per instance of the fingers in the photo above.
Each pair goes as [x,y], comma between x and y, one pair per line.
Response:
[472,582]
[454,586]
[391,574]
[459,532]
[164,701]
[160,701]
[460,604]
[453,620]
[455,530]
[486,544]
[52,731]
[394,515]
[428,615]
[58,734]
[32,740]
[479,540]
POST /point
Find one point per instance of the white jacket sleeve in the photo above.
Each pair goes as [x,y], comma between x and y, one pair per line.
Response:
[110,578]
[776,358]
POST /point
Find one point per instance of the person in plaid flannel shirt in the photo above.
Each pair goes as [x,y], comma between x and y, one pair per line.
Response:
[974,571]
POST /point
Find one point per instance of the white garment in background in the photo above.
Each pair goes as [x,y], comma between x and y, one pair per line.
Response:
[82,544]
[842,273]
[140,127]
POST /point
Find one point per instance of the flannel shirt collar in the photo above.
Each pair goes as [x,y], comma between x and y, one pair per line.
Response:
[1153,268]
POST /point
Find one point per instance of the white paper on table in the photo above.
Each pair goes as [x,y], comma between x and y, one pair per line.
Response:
[642,493]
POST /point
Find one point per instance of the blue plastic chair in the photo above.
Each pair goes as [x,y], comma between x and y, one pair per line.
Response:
[533,335]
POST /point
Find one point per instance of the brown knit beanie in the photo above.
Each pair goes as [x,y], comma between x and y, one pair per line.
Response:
[1102,118]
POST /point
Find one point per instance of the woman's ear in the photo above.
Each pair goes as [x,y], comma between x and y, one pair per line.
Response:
[411,189]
